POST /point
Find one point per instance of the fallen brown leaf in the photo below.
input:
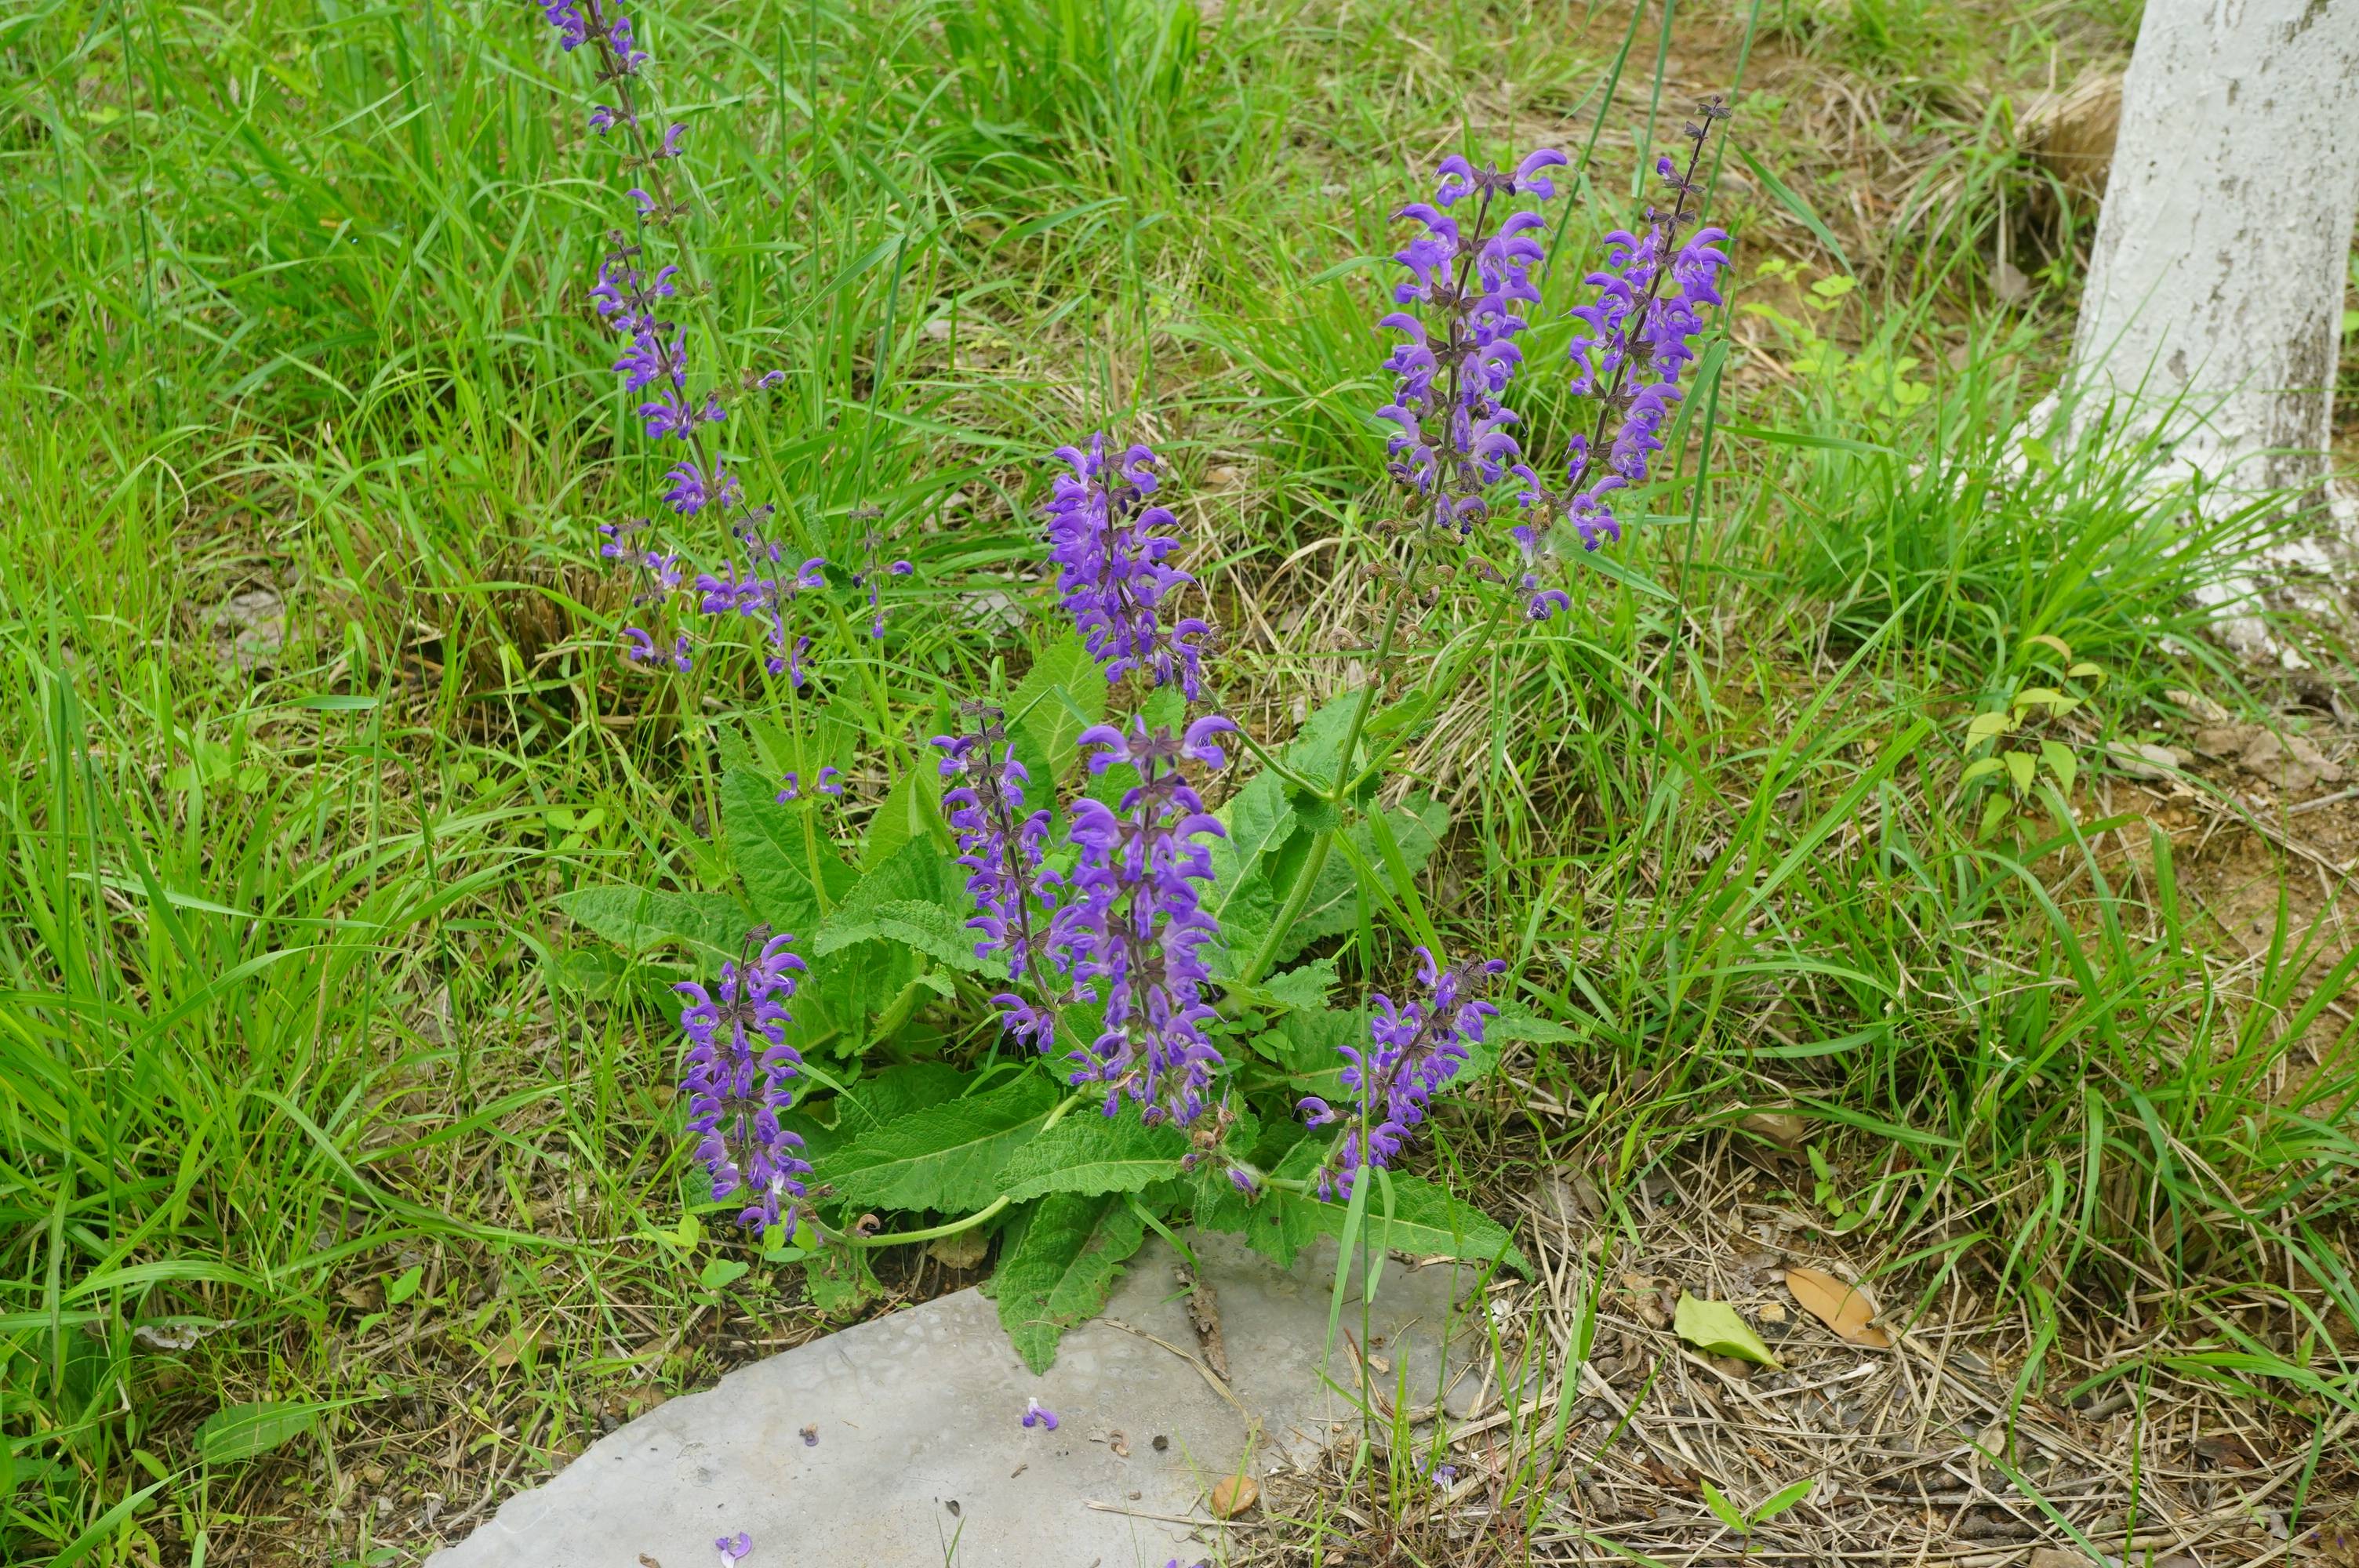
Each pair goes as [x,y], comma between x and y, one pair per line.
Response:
[959,1249]
[1846,1308]
[1785,1129]
[524,1345]
[2226,1452]
[1234,1494]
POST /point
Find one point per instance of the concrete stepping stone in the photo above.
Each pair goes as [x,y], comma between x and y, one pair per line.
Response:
[922,1458]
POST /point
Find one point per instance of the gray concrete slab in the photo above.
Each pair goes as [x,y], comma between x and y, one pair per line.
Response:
[923,1457]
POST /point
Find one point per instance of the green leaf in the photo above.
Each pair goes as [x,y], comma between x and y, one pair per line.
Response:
[1059,1267]
[948,1157]
[940,934]
[720,1273]
[771,854]
[636,919]
[906,813]
[2061,763]
[1280,1223]
[895,1093]
[1721,1507]
[1428,1222]
[1257,822]
[1417,827]
[915,871]
[241,1432]
[1795,205]
[404,1285]
[1717,1329]
[2022,766]
[1095,1154]
[1784,1498]
[1062,695]
[1980,768]
[1305,987]
[1988,726]
[1517,1021]
[1315,748]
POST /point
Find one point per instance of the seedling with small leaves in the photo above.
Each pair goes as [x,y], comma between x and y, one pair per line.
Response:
[2023,750]
[1745,1521]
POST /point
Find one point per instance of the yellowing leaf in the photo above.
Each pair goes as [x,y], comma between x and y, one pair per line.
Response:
[1842,1307]
[2056,642]
[1716,1328]
[2061,763]
[1987,726]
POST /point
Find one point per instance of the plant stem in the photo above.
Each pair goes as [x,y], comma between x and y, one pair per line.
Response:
[1323,842]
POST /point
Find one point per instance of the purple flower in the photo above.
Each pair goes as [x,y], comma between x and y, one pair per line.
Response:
[827,784]
[1104,540]
[672,137]
[1638,337]
[693,491]
[602,119]
[1001,845]
[733,1549]
[1413,1050]
[572,27]
[642,646]
[625,59]
[1039,1415]
[1133,926]
[1451,438]
[738,1081]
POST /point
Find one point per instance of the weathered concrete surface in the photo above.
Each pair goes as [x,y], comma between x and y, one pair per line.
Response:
[922,1459]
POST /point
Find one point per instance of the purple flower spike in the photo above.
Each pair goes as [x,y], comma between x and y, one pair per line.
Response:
[1110,546]
[1451,438]
[733,1550]
[1134,929]
[1637,339]
[739,1081]
[1001,844]
[1413,1050]
[1040,1415]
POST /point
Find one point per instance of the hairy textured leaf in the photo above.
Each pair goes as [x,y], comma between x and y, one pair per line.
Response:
[770,852]
[1059,1267]
[639,918]
[1242,898]
[895,1092]
[1305,987]
[940,934]
[948,1157]
[1095,1154]
[908,811]
[1428,1222]
[917,869]
[1064,694]
[1417,826]
[1280,1223]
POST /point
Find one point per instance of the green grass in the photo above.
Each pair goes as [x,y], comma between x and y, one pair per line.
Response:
[296,297]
